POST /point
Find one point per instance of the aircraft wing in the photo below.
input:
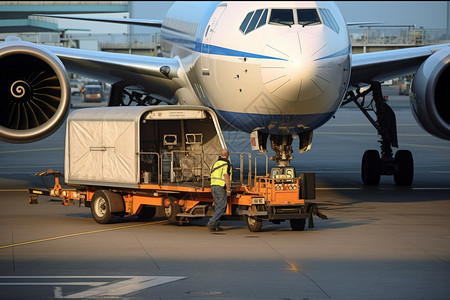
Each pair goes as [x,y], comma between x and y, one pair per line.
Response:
[386,65]
[157,76]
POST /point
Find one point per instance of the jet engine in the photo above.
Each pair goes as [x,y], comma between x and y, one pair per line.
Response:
[430,97]
[34,92]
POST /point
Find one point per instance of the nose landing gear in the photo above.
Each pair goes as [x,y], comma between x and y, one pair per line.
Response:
[282,146]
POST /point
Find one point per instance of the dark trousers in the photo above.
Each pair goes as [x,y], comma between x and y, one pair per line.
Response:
[220,204]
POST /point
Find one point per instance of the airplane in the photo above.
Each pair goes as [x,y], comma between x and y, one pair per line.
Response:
[276,70]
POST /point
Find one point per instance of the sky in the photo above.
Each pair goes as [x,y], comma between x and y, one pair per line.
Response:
[429,14]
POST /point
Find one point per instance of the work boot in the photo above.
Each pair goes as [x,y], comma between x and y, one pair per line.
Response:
[211,228]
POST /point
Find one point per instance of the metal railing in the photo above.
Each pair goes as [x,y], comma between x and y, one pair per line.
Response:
[171,168]
[241,168]
[397,35]
[115,40]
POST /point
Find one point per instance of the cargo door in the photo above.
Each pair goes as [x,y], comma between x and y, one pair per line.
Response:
[102,153]
[207,38]
[119,152]
[84,151]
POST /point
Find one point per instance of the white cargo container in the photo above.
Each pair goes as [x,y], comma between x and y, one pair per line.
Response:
[108,146]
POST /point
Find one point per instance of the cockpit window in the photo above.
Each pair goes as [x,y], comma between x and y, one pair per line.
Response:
[328,19]
[254,20]
[263,19]
[308,16]
[305,16]
[281,16]
[245,22]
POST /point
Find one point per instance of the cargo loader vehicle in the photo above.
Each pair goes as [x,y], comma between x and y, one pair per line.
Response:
[125,161]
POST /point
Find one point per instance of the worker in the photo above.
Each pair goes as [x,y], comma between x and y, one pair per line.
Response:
[220,188]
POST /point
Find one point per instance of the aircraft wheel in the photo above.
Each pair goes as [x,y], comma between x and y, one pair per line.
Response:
[254,224]
[370,167]
[298,224]
[404,173]
[100,208]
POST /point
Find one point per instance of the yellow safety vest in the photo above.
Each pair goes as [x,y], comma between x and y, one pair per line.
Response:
[218,172]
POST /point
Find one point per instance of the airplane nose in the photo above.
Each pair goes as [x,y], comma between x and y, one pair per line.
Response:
[297,75]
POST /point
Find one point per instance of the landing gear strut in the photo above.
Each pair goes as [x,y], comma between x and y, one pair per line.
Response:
[401,166]
[282,146]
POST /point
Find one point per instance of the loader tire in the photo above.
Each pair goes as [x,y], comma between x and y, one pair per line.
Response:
[171,209]
[100,208]
[254,224]
[298,224]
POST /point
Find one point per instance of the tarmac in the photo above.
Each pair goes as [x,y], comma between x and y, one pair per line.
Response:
[384,242]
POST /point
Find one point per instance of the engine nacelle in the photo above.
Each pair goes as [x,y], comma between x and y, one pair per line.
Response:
[430,94]
[34,91]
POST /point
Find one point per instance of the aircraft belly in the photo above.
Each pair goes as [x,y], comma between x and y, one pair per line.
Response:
[275,124]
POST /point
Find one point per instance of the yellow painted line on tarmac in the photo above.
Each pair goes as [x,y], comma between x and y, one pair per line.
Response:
[79,234]
[31,150]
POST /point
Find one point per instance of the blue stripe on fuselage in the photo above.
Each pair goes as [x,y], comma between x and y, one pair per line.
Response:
[230,52]
[211,49]
[217,50]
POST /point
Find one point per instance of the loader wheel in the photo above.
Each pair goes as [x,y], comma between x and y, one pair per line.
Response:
[171,209]
[100,208]
[298,224]
[254,224]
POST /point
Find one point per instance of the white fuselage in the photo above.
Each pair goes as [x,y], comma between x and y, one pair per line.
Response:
[260,75]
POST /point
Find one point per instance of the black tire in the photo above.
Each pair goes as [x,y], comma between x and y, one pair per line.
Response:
[370,167]
[172,210]
[254,224]
[298,224]
[146,212]
[100,208]
[404,172]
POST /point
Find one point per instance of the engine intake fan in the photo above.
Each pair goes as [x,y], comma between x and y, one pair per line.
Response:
[34,92]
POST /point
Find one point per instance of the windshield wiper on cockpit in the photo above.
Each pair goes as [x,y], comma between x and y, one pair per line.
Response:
[309,23]
[280,22]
